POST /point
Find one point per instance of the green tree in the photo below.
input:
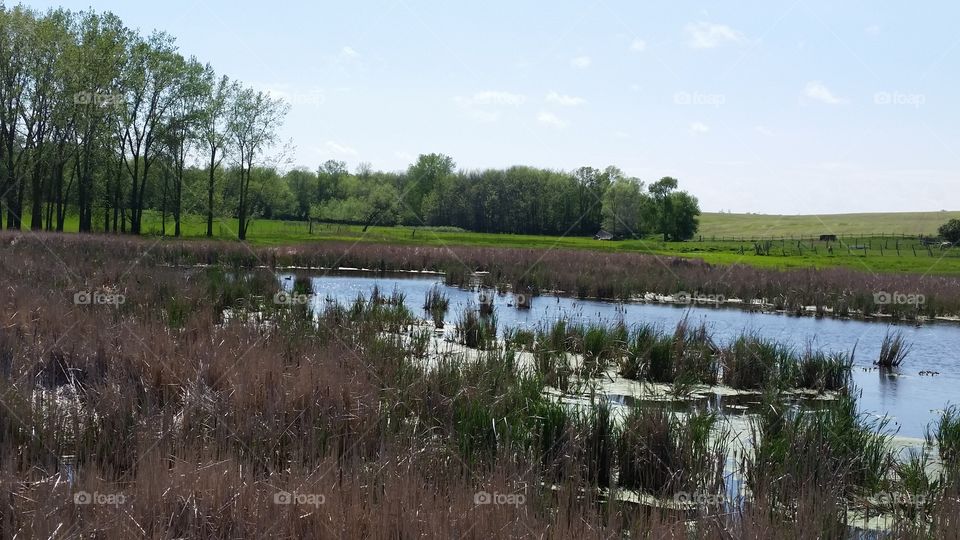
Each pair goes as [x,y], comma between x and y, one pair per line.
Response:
[150,78]
[253,123]
[329,176]
[428,175]
[302,185]
[623,206]
[98,65]
[182,126]
[214,131]
[683,220]
[950,231]
[663,203]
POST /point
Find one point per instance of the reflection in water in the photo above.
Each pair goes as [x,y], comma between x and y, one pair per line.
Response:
[889,380]
[908,399]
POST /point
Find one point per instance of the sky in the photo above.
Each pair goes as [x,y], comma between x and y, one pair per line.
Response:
[775,107]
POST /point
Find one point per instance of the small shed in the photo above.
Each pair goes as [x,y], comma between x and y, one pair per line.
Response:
[603,235]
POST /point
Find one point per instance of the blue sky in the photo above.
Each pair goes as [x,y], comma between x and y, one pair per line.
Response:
[771,107]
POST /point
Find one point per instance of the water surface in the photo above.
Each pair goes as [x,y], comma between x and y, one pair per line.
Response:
[910,400]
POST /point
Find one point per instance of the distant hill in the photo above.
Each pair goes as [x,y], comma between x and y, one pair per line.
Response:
[911,223]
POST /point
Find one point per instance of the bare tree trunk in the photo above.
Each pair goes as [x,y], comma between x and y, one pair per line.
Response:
[210,188]
[163,204]
[36,209]
[242,211]
[177,203]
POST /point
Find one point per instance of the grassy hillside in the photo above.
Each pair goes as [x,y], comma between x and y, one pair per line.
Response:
[756,225]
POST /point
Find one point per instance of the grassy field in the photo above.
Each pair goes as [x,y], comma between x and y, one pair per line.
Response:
[757,225]
[724,239]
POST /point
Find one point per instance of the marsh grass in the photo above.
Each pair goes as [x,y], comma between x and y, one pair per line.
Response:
[599,434]
[893,350]
[475,330]
[662,454]
[634,363]
[554,368]
[915,492]
[945,434]
[822,371]
[832,454]
[599,345]
[690,356]
[519,338]
[436,303]
[753,363]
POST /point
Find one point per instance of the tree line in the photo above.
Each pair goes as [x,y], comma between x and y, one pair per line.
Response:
[97,118]
[524,200]
[101,122]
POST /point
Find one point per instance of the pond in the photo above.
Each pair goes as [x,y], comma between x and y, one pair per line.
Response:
[909,399]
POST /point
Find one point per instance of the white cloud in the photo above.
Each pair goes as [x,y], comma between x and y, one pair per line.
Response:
[550,119]
[581,62]
[491,97]
[349,53]
[818,91]
[873,30]
[340,149]
[564,100]
[483,106]
[705,35]
[699,127]
[638,45]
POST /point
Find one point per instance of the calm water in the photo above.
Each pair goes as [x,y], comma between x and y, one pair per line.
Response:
[910,400]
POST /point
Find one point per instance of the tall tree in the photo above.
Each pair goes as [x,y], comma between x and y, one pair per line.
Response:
[623,207]
[427,174]
[661,190]
[48,97]
[16,28]
[181,127]
[253,123]
[150,79]
[683,220]
[214,131]
[98,71]
[302,185]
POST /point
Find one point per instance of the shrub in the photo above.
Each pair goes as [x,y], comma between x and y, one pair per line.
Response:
[950,231]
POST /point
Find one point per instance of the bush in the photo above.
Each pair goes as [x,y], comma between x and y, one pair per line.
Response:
[950,231]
